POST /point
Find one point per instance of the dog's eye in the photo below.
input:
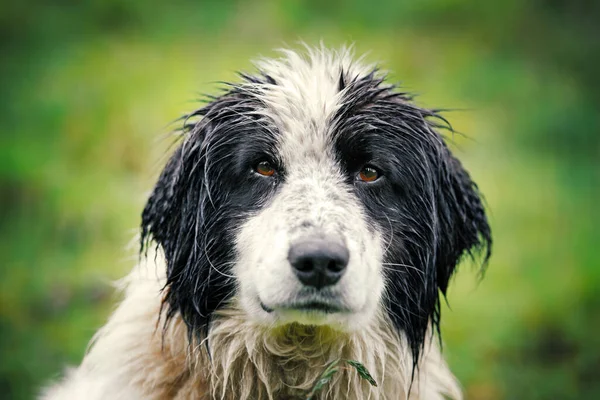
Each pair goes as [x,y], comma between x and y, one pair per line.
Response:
[264,168]
[368,174]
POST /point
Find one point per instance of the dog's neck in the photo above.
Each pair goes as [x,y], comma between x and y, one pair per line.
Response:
[248,361]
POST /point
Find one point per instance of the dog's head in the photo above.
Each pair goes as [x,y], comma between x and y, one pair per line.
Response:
[314,192]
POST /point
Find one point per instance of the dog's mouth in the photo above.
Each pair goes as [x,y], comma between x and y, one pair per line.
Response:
[308,306]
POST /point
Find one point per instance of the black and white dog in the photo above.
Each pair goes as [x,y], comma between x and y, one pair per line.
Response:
[311,212]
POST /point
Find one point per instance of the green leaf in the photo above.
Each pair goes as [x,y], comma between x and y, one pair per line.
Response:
[362,371]
[332,368]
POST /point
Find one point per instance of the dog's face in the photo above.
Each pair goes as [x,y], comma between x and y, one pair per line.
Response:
[314,193]
[310,253]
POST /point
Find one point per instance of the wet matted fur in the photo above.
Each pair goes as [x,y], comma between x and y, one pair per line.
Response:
[217,312]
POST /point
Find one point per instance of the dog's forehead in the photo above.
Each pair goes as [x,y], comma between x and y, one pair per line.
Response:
[306,93]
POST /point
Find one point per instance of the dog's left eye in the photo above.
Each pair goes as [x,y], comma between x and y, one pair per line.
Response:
[265,168]
[368,174]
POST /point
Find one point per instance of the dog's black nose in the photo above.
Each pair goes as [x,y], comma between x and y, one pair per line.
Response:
[318,262]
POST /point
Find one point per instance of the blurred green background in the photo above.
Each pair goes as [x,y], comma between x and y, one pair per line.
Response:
[88,88]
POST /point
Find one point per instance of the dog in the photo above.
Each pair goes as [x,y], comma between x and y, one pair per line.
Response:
[310,213]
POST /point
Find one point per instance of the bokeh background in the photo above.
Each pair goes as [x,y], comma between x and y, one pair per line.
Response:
[88,89]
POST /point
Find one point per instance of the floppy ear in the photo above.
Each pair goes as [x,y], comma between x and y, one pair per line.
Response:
[463,225]
[175,217]
[184,214]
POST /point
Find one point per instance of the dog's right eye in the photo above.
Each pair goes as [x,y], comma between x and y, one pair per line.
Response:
[265,168]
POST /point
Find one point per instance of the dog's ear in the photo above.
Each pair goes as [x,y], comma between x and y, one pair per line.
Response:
[462,222]
[184,217]
[174,218]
